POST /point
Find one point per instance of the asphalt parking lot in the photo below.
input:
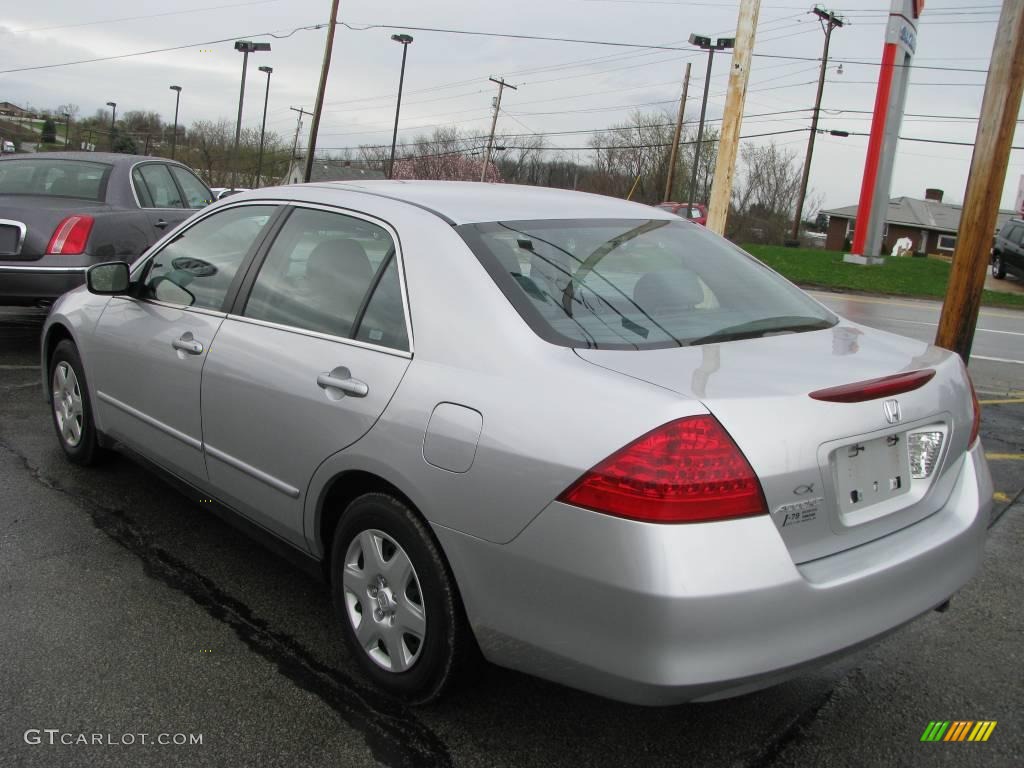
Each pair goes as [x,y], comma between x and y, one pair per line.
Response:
[129,609]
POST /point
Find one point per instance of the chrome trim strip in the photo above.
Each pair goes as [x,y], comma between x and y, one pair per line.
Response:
[191,442]
[44,270]
[324,336]
[169,305]
[21,237]
[263,477]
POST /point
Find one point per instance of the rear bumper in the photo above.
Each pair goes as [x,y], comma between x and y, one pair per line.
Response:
[658,614]
[29,285]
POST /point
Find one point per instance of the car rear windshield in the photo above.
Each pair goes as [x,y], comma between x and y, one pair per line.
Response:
[637,284]
[80,179]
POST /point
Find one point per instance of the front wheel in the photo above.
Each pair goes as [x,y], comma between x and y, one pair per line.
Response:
[71,408]
[998,267]
[397,601]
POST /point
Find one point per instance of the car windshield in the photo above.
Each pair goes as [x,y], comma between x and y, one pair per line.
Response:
[80,179]
[637,284]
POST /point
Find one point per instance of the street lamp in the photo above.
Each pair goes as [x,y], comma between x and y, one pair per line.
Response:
[113,119]
[67,128]
[710,46]
[174,136]
[404,40]
[263,128]
[246,47]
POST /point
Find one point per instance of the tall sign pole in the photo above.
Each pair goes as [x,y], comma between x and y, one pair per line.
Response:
[893,77]
[999,108]
[735,97]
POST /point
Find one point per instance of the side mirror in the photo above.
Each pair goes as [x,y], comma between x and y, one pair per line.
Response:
[108,279]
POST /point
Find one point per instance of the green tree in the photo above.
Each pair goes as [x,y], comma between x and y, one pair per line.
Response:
[49,132]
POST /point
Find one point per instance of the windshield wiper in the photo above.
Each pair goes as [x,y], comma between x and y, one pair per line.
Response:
[754,328]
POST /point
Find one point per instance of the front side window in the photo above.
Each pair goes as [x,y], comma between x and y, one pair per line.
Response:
[81,179]
[197,267]
[155,187]
[637,284]
[196,193]
[333,274]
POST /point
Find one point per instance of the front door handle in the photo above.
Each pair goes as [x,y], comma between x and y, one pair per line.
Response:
[346,384]
[188,345]
[160,223]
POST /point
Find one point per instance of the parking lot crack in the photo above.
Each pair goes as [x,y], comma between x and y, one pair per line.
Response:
[392,732]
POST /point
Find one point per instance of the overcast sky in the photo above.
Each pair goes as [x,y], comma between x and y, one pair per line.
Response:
[562,86]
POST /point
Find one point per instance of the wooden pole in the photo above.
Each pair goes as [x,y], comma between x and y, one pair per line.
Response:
[502,85]
[999,109]
[675,137]
[729,140]
[314,124]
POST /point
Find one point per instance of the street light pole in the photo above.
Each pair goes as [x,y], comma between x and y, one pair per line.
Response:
[174,136]
[706,43]
[263,128]
[404,40]
[67,128]
[113,119]
[829,21]
[246,47]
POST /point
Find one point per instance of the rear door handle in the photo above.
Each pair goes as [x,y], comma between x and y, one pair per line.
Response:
[160,223]
[188,345]
[348,385]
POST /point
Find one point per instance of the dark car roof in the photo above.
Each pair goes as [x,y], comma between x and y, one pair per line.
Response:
[111,158]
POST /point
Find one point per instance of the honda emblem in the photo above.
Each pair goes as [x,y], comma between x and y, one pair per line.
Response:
[892,411]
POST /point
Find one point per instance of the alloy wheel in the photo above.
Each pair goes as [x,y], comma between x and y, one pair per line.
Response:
[67,404]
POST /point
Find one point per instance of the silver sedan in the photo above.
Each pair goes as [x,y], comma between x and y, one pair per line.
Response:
[580,437]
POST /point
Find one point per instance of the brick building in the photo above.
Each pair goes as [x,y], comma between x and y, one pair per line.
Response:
[931,224]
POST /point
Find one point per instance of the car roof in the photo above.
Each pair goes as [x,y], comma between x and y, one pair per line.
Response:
[469,202]
[111,158]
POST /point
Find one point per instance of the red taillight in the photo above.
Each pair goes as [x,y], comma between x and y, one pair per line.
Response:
[976,424]
[686,471]
[70,236]
[873,389]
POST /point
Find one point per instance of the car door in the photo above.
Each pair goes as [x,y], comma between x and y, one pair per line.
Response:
[305,364]
[160,197]
[150,348]
[1013,254]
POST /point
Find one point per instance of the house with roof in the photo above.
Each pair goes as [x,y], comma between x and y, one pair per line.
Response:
[331,170]
[13,110]
[931,224]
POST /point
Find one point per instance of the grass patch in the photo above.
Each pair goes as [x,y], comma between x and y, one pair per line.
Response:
[899,276]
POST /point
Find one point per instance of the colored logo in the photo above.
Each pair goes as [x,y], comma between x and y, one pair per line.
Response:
[958,730]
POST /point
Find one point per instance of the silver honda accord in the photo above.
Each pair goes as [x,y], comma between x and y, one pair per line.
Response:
[579,436]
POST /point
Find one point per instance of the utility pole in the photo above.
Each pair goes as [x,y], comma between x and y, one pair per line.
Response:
[706,43]
[999,108]
[675,136]
[318,107]
[729,138]
[67,129]
[298,128]
[502,85]
[177,101]
[829,21]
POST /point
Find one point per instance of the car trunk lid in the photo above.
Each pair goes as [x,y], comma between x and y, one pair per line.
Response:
[27,222]
[835,474]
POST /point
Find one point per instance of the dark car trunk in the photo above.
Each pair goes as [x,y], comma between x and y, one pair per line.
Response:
[39,215]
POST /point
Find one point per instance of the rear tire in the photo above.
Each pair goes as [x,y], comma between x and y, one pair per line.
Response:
[397,602]
[71,407]
[998,267]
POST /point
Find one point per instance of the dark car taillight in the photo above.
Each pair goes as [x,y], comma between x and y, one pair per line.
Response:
[71,236]
[686,471]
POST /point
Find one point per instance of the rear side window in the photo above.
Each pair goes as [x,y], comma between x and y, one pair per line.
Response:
[335,274]
[196,193]
[81,179]
[1015,233]
[637,284]
[158,189]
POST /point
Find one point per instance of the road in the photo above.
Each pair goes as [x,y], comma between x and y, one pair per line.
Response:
[128,609]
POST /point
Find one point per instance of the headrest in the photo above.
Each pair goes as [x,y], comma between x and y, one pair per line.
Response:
[340,257]
[671,289]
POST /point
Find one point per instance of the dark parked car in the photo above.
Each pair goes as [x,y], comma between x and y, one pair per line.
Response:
[1008,250]
[697,212]
[61,212]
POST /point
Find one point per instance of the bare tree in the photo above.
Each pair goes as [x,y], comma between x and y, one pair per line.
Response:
[764,196]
